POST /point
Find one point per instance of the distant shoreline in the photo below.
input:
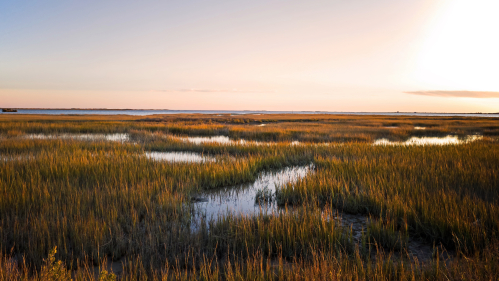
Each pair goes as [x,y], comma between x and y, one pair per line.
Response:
[114,109]
[248,111]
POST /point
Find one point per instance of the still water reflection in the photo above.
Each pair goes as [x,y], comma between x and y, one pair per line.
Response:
[87,137]
[448,140]
[240,199]
[186,157]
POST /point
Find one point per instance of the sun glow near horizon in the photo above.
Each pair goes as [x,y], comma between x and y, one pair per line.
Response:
[461,49]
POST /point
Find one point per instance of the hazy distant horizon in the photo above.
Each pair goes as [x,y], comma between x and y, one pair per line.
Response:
[145,111]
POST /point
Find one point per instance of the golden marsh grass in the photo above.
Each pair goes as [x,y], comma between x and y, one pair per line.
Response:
[99,201]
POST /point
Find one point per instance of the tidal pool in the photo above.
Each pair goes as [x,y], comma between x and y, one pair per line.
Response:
[186,157]
[228,141]
[240,199]
[448,140]
[86,137]
[212,139]
[219,140]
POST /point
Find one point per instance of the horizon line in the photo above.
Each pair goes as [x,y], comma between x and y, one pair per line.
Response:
[228,110]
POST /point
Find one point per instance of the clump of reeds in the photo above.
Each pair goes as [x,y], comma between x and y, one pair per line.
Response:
[264,196]
[386,233]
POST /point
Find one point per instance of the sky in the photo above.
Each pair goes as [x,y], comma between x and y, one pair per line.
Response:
[314,55]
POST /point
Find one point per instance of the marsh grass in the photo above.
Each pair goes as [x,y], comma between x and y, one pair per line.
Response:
[99,201]
[445,194]
[385,233]
[304,128]
[258,267]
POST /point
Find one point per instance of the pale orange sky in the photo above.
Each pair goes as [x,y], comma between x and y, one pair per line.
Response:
[387,55]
